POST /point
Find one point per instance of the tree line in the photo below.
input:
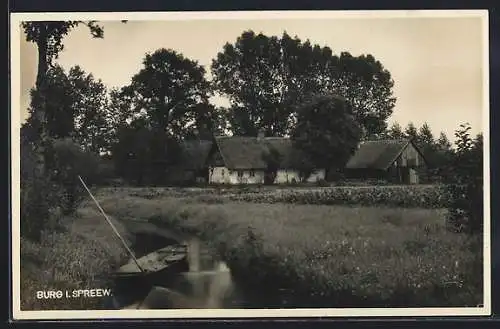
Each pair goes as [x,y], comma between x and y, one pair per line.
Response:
[267,80]
[168,100]
[282,86]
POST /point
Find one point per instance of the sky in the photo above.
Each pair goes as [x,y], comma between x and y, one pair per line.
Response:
[436,62]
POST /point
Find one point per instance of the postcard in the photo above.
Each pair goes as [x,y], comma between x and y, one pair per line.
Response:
[250,164]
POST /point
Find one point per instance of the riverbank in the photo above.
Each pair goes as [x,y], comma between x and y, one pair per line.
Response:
[331,256]
[77,254]
[307,255]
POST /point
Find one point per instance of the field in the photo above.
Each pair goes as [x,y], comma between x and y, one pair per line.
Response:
[334,255]
[421,196]
[372,256]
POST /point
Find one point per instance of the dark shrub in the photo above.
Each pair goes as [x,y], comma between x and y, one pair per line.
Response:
[39,196]
[465,184]
[106,172]
[70,161]
[322,183]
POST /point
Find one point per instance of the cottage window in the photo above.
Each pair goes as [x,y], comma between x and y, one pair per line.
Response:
[240,173]
[252,173]
[222,172]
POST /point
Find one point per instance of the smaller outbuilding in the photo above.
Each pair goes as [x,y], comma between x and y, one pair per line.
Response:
[397,161]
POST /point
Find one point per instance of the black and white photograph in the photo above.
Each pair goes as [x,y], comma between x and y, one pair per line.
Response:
[250,164]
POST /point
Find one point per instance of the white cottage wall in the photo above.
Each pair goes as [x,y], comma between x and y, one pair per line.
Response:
[316,176]
[284,176]
[218,175]
[222,175]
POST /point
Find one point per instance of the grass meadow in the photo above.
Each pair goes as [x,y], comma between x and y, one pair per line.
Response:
[336,255]
[78,253]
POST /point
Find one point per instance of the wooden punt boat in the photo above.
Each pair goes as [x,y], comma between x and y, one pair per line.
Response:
[156,267]
[169,259]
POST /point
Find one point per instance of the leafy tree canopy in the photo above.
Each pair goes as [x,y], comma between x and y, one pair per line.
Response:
[443,142]
[141,154]
[327,131]
[76,105]
[48,36]
[465,183]
[171,92]
[425,136]
[395,132]
[411,131]
[266,78]
[52,33]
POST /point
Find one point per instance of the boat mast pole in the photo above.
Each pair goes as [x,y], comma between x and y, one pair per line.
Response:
[111,224]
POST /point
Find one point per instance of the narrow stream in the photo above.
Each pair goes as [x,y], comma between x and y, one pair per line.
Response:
[206,283]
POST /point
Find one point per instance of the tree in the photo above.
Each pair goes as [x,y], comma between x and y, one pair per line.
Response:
[266,78]
[119,113]
[219,121]
[301,161]
[441,158]
[209,121]
[443,143]
[91,113]
[40,189]
[426,143]
[272,159]
[170,90]
[411,131]
[263,78]
[129,149]
[48,37]
[395,131]
[465,184]
[76,106]
[59,105]
[142,155]
[425,136]
[327,131]
[367,86]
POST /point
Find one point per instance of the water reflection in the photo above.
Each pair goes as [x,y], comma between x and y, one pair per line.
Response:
[204,289]
[206,284]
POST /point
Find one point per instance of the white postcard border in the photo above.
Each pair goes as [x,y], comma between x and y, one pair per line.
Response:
[17,18]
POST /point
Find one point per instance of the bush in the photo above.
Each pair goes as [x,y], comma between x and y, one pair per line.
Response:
[69,161]
[465,184]
[106,173]
[39,196]
[322,183]
[46,194]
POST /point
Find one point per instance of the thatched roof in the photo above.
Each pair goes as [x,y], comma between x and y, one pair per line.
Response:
[194,154]
[240,152]
[377,154]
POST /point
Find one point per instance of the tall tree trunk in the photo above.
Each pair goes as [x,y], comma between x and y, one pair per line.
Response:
[40,110]
[42,59]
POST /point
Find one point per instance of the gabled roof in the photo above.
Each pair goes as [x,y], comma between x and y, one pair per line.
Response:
[194,153]
[241,152]
[377,154]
